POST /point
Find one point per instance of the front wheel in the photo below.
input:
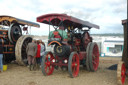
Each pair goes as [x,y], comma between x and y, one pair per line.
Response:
[73,64]
[46,64]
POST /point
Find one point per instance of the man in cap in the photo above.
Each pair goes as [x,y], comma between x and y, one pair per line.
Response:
[31,51]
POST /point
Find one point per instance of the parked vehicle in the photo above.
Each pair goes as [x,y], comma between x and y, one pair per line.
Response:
[12,39]
[122,69]
[73,45]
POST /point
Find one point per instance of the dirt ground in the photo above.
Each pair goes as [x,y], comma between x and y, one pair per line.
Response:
[20,75]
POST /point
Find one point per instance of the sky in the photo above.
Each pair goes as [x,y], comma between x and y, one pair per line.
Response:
[105,13]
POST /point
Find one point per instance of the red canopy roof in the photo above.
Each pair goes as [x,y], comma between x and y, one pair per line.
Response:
[55,20]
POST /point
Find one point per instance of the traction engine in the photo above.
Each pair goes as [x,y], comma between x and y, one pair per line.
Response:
[72,43]
[12,39]
[122,69]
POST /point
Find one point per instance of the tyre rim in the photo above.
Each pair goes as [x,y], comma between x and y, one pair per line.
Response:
[75,65]
[48,64]
[95,57]
[123,69]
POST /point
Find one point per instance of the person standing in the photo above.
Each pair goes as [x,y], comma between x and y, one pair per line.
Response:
[42,51]
[31,51]
[38,55]
[1,58]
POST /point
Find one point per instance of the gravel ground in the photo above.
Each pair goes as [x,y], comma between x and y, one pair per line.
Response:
[20,75]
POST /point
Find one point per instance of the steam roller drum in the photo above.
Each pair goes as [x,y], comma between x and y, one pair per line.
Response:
[14,33]
[20,49]
[62,51]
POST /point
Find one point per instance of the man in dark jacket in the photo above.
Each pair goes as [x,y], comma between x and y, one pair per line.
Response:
[1,58]
[31,51]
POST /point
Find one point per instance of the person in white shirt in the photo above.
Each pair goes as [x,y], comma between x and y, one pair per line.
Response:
[42,51]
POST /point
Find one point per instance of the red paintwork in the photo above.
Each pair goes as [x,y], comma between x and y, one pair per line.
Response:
[3,33]
[123,70]
[64,21]
[95,60]
[67,21]
[82,55]
[49,68]
[56,34]
[60,63]
[77,42]
[25,28]
[75,65]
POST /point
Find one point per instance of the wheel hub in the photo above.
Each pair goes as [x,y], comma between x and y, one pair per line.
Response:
[48,64]
[74,64]
[123,73]
[94,56]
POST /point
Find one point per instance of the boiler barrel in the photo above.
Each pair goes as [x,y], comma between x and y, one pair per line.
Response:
[62,51]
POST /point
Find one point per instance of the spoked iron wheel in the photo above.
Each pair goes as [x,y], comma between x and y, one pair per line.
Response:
[73,64]
[121,73]
[92,57]
[46,64]
[20,49]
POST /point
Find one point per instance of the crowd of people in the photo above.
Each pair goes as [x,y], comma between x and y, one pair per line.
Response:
[35,51]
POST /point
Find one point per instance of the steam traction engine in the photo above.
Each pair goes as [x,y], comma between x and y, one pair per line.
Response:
[12,40]
[73,45]
[122,69]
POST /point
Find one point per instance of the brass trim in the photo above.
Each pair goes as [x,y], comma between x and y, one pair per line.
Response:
[10,19]
[19,21]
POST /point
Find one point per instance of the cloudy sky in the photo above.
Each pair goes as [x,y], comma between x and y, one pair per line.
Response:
[105,13]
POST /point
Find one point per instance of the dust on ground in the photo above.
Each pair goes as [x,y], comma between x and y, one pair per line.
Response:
[20,75]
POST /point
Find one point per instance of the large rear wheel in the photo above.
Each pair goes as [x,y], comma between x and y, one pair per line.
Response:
[46,64]
[20,49]
[121,73]
[93,57]
[73,64]
[87,57]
